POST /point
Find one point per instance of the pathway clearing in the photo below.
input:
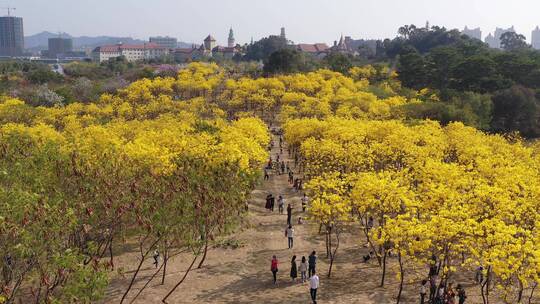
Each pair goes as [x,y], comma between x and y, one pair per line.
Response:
[243,275]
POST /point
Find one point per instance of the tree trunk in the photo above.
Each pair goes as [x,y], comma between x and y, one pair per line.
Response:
[383,267]
[484,288]
[164,300]
[205,251]
[532,292]
[111,256]
[333,254]
[143,257]
[165,260]
[402,277]
[520,291]
[147,283]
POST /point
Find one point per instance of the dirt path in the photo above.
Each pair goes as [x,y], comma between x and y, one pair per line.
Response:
[243,275]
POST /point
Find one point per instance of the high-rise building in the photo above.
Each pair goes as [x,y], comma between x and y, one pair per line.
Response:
[230,42]
[535,38]
[494,40]
[59,47]
[282,35]
[11,36]
[473,33]
[166,42]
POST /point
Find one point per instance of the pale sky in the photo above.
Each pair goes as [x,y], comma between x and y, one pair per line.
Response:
[306,21]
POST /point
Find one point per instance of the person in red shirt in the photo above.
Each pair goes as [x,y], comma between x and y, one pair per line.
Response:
[274,268]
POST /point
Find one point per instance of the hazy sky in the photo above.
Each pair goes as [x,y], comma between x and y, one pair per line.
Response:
[305,20]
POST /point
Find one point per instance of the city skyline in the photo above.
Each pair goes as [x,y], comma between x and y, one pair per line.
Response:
[320,21]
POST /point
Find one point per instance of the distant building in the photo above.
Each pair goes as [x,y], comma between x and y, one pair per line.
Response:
[166,42]
[59,47]
[473,33]
[188,54]
[225,52]
[231,40]
[318,50]
[535,38]
[209,43]
[209,48]
[494,41]
[130,52]
[11,36]
[282,34]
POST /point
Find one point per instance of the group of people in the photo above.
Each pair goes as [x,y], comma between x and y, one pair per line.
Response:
[306,269]
[444,293]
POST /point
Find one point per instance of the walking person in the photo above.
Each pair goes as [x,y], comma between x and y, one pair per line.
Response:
[370,223]
[294,270]
[312,262]
[282,167]
[267,205]
[289,233]
[461,294]
[450,295]
[423,290]
[313,286]
[479,275]
[281,204]
[156,258]
[289,214]
[272,202]
[266,175]
[303,269]
[304,200]
[291,177]
[274,268]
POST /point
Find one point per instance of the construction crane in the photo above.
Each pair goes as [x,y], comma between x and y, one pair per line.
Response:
[9,9]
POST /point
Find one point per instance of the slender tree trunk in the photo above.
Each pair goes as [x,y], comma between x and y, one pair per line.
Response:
[383,267]
[143,257]
[147,283]
[333,254]
[520,291]
[205,251]
[164,264]
[484,287]
[532,292]
[402,277]
[164,300]
[111,256]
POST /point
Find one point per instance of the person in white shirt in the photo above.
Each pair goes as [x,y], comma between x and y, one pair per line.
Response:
[303,269]
[290,234]
[304,202]
[313,286]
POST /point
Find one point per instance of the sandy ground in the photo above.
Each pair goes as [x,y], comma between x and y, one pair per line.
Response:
[243,275]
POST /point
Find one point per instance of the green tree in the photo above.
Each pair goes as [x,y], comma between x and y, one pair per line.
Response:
[511,41]
[262,49]
[338,62]
[284,61]
[412,70]
[516,109]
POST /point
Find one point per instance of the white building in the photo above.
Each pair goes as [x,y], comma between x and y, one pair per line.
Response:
[473,33]
[130,52]
[535,38]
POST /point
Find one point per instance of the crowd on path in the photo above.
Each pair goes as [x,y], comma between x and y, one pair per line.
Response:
[444,293]
[305,268]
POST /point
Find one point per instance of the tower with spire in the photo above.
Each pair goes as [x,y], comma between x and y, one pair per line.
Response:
[230,42]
